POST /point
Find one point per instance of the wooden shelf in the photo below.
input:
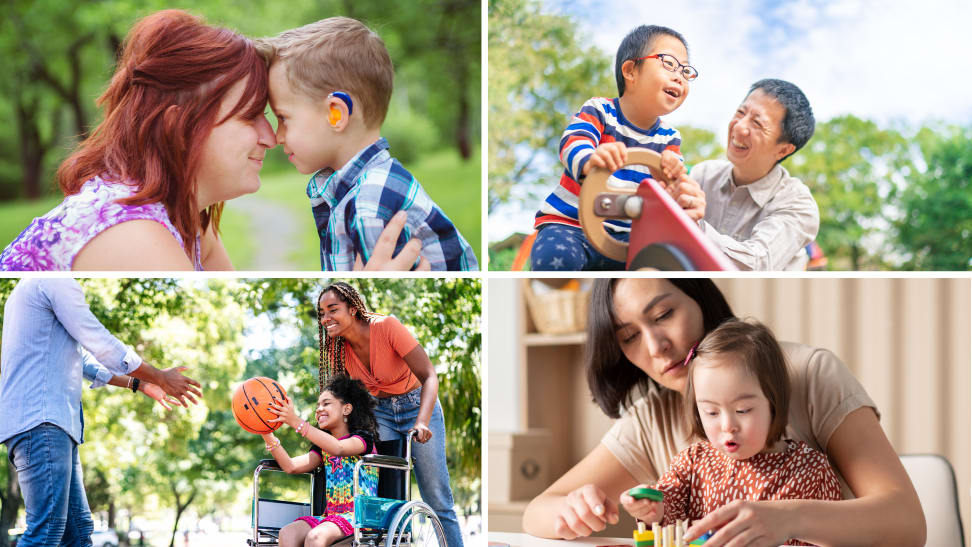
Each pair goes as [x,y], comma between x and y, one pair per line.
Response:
[539,339]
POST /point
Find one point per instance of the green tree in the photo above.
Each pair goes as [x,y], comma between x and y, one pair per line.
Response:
[936,228]
[699,145]
[539,75]
[443,314]
[851,166]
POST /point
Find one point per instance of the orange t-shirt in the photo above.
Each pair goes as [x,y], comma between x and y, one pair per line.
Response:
[390,341]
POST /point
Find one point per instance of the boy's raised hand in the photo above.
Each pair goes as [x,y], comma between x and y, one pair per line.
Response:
[645,510]
[672,167]
[608,155]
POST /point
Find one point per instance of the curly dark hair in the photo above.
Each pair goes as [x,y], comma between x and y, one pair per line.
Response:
[353,392]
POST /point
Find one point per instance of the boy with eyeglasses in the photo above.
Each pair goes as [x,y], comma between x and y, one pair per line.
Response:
[653,80]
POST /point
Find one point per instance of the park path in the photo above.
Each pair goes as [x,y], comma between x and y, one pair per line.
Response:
[273,231]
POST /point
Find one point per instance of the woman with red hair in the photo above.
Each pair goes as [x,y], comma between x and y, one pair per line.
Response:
[183,132]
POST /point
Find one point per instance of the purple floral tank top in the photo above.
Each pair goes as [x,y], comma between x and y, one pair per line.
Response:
[51,242]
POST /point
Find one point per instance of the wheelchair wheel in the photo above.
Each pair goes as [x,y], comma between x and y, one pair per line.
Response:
[415,525]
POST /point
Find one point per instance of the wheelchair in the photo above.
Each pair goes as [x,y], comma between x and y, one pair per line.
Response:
[391,518]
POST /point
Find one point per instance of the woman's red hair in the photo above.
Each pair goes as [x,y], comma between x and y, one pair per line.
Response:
[160,105]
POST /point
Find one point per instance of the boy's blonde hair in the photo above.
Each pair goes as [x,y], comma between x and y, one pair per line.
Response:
[336,54]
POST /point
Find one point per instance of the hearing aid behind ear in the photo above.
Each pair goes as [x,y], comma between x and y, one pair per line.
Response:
[334,115]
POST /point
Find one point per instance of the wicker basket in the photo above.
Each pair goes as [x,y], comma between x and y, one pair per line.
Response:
[557,311]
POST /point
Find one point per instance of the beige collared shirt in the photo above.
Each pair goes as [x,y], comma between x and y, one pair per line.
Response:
[764,225]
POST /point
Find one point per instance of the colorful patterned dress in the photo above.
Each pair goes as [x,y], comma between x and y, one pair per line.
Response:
[51,242]
[339,470]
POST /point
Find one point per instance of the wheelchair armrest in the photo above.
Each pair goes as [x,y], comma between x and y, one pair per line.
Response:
[270,465]
[380,460]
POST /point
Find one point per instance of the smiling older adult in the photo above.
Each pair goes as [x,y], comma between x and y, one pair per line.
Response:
[758,214]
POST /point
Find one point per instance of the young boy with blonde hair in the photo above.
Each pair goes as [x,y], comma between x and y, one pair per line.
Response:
[330,85]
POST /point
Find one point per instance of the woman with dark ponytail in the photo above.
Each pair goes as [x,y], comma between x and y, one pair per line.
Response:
[382,353]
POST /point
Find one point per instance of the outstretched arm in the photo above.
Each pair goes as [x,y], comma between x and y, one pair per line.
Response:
[330,444]
[301,464]
[98,375]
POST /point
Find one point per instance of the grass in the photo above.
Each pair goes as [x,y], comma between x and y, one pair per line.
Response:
[456,186]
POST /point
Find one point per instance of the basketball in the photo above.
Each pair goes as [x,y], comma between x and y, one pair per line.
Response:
[251,404]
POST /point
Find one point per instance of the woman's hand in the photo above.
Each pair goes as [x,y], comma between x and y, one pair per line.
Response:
[585,510]
[645,509]
[689,196]
[751,523]
[285,413]
[381,256]
[156,392]
[422,432]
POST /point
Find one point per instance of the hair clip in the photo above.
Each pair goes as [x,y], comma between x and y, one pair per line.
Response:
[344,97]
[691,354]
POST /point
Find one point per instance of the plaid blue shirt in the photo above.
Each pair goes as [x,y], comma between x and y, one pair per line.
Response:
[353,204]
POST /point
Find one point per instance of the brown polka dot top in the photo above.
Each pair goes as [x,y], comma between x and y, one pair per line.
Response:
[701,479]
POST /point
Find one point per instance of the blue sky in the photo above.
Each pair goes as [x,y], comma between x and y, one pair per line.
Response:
[887,61]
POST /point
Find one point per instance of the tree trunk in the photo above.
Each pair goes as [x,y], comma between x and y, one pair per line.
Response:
[112,513]
[855,257]
[462,120]
[180,508]
[31,149]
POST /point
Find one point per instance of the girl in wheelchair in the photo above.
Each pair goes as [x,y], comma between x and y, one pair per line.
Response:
[346,429]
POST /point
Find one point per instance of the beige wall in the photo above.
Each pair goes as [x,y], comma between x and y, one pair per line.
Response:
[906,340]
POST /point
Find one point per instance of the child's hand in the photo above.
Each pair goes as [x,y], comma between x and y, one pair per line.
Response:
[689,196]
[285,413]
[645,509]
[671,166]
[609,155]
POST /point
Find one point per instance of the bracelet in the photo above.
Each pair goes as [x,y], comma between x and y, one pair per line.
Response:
[274,444]
[134,384]
[302,428]
[130,382]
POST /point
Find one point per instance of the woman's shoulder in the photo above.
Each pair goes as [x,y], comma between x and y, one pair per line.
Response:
[52,241]
[807,360]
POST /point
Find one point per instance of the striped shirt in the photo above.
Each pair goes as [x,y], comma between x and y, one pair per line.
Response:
[600,120]
[353,204]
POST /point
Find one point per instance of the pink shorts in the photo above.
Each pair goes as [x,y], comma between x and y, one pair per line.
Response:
[341,523]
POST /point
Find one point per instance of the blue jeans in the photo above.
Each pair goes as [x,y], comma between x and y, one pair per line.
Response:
[396,415]
[565,248]
[49,472]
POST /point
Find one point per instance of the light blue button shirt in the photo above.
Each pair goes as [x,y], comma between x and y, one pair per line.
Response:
[46,323]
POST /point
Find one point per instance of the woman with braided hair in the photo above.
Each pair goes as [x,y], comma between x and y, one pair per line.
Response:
[378,350]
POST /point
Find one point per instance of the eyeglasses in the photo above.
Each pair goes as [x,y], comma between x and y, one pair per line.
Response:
[671,64]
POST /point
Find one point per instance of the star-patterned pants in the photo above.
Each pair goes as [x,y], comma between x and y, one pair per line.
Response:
[566,248]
